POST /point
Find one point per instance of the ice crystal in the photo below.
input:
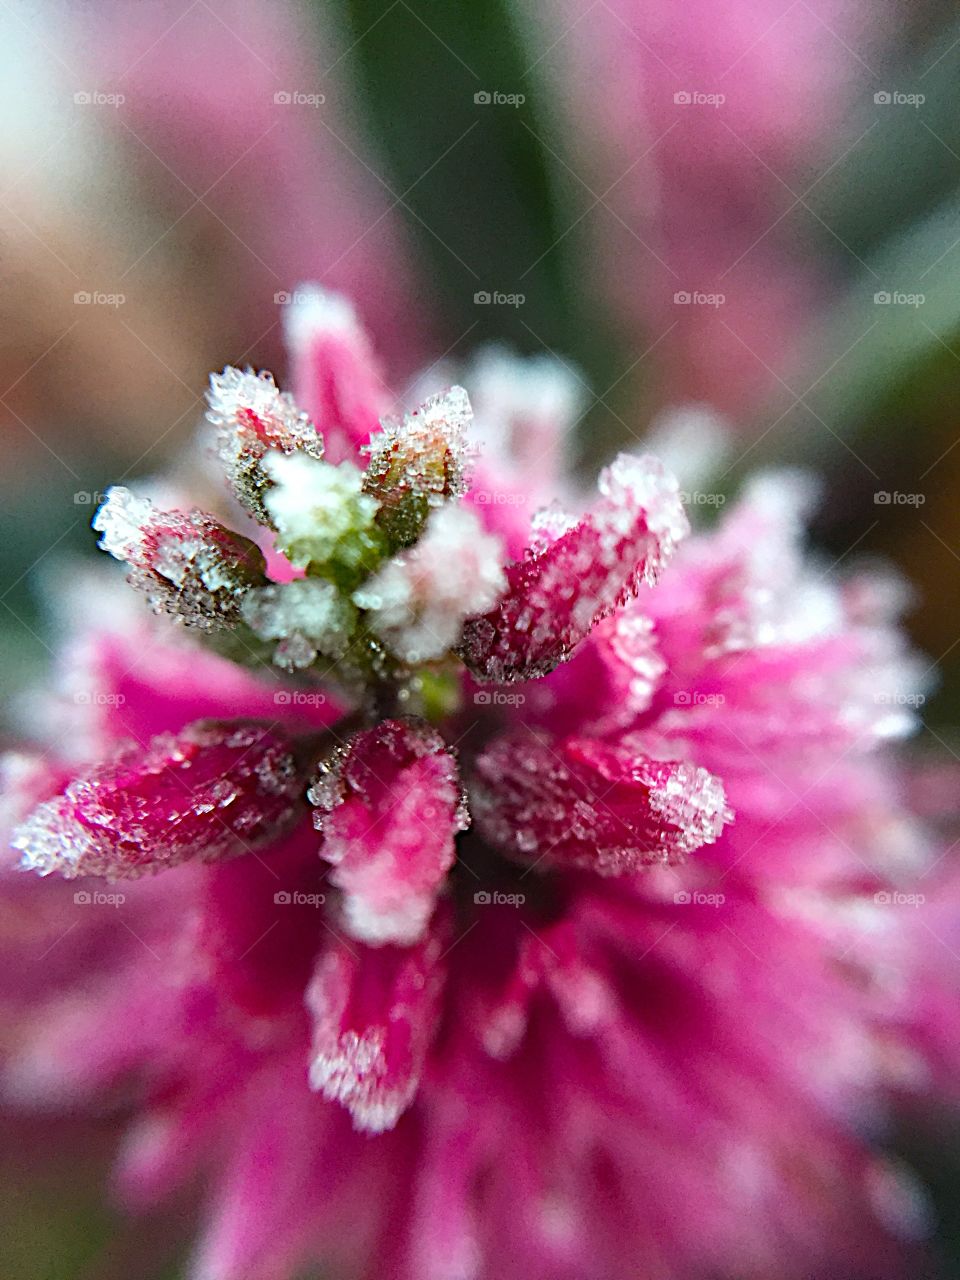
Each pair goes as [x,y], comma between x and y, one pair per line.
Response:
[253,418]
[322,516]
[307,616]
[187,564]
[415,604]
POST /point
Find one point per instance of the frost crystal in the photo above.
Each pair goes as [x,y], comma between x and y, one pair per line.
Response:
[419,461]
[416,604]
[308,616]
[574,577]
[212,791]
[252,418]
[389,807]
[322,516]
[186,563]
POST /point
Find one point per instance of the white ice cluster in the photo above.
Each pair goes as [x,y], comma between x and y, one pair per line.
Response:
[417,602]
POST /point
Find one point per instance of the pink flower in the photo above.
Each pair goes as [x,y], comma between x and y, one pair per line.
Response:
[595,956]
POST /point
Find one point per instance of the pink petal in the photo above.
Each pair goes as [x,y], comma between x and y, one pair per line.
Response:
[335,371]
[574,578]
[583,803]
[389,807]
[212,791]
[374,1013]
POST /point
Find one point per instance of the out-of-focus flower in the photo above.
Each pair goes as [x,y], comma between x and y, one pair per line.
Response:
[710,128]
[560,919]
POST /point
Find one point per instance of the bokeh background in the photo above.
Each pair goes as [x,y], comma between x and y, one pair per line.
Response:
[743,211]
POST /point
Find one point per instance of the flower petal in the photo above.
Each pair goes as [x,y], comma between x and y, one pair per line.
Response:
[580,802]
[374,1013]
[209,792]
[389,807]
[578,572]
[335,372]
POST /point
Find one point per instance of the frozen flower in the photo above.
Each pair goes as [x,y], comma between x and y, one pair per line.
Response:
[187,564]
[253,419]
[567,937]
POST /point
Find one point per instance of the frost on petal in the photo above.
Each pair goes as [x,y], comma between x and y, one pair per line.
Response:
[308,617]
[322,517]
[574,576]
[335,372]
[585,803]
[253,418]
[374,1013]
[417,602]
[187,564]
[211,791]
[418,462]
[389,806]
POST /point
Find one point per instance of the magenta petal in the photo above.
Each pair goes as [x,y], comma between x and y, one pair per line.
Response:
[569,583]
[209,792]
[584,803]
[374,1014]
[335,371]
[389,807]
